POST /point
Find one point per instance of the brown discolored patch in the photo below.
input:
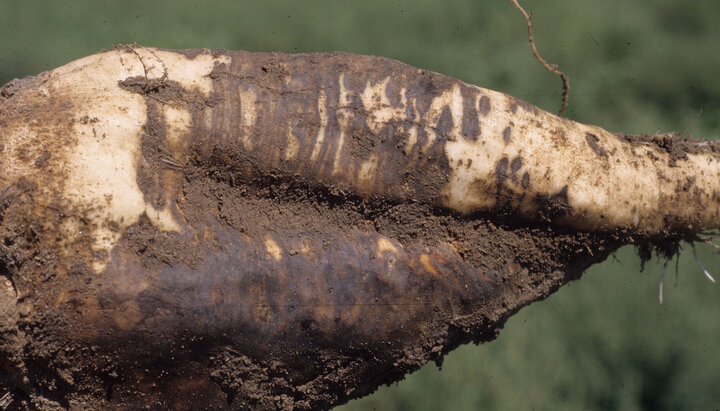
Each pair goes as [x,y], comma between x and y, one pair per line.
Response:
[9,89]
[193,53]
[525,182]
[516,164]
[470,118]
[428,85]
[42,160]
[501,174]
[593,142]
[526,106]
[445,122]
[484,105]
[506,134]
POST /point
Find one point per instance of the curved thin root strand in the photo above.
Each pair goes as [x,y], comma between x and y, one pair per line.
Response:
[662,277]
[697,260]
[710,243]
[549,66]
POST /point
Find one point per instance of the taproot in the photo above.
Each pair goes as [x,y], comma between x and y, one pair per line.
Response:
[267,230]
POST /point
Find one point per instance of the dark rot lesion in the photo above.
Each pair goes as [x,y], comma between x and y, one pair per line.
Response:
[299,109]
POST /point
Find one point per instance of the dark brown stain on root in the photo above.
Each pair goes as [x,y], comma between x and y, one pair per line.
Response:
[484,105]
[516,165]
[525,182]
[470,129]
[506,135]
[524,105]
[594,143]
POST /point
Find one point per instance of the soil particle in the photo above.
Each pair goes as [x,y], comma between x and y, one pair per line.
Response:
[556,205]
[157,250]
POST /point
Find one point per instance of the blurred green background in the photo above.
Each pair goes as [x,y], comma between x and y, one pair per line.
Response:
[635,66]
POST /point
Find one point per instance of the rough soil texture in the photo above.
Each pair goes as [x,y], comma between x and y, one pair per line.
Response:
[288,288]
[678,148]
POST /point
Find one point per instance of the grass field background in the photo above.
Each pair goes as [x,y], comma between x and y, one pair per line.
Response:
[635,66]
